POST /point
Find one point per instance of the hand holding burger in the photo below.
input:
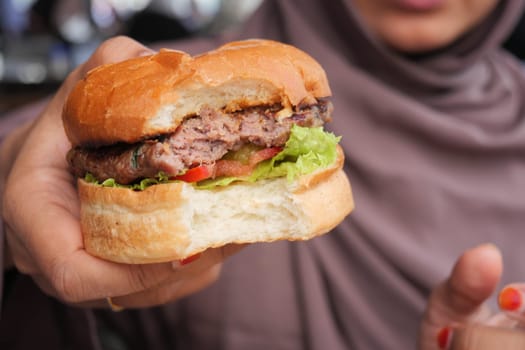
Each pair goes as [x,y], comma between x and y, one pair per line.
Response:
[175,154]
[40,211]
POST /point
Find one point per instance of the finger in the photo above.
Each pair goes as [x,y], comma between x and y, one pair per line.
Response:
[460,298]
[196,273]
[114,50]
[53,247]
[82,277]
[201,262]
[479,337]
[199,282]
[172,290]
[473,279]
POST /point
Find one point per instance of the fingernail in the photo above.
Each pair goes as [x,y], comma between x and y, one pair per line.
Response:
[444,338]
[190,259]
[510,299]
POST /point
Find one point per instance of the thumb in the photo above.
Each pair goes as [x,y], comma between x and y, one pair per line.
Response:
[460,298]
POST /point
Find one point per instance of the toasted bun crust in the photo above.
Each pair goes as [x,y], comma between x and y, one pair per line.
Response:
[173,221]
[151,95]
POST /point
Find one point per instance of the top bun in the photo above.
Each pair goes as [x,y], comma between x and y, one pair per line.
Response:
[151,95]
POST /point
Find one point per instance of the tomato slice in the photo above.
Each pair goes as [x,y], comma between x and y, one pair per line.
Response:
[264,154]
[227,167]
[196,174]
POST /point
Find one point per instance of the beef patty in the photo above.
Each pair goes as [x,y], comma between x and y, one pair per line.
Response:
[200,139]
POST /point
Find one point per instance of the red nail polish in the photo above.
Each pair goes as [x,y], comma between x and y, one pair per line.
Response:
[509,299]
[444,337]
[190,259]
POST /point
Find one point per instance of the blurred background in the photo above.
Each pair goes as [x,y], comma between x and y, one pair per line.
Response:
[42,40]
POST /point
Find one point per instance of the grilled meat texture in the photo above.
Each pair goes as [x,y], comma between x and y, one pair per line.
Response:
[201,139]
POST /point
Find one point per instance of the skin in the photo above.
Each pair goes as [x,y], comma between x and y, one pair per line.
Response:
[422,31]
[458,303]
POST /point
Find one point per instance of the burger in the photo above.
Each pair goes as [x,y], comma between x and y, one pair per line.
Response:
[175,154]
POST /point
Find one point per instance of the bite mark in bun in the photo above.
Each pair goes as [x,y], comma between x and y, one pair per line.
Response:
[176,154]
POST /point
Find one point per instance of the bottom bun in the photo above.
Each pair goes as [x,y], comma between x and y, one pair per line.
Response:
[173,221]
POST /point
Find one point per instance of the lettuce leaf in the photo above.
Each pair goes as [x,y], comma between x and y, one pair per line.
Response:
[141,186]
[307,150]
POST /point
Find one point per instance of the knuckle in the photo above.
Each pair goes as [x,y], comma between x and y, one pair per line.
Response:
[167,294]
[181,288]
[67,283]
[461,300]
[140,278]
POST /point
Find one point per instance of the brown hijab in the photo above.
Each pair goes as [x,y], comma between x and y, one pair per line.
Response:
[436,154]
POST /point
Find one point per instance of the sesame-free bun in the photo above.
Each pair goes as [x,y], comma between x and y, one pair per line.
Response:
[173,221]
[146,96]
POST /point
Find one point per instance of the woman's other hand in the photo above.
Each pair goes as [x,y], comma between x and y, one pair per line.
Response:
[457,316]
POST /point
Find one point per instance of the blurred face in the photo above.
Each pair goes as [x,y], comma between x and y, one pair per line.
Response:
[415,26]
